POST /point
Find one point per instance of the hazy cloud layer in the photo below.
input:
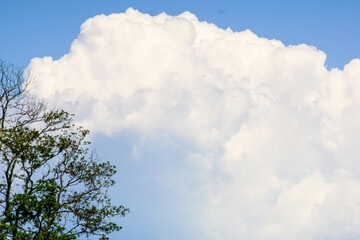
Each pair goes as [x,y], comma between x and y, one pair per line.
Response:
[273,134]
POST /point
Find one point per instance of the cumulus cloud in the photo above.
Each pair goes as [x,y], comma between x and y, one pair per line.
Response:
[276,133]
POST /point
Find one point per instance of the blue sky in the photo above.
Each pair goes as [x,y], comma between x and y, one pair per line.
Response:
[216,134]
[43,28]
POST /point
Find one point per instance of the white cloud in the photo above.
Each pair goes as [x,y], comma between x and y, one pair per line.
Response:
[276,134]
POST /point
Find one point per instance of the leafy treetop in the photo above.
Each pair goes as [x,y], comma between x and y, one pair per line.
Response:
[52,186]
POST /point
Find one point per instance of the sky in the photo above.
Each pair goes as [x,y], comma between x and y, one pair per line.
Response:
[225,119]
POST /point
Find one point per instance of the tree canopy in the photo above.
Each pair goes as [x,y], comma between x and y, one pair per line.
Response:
[52,185]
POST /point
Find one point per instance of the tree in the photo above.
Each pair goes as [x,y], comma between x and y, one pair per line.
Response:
[52,186]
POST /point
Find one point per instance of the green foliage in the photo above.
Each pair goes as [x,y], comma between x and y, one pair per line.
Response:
[51,185]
